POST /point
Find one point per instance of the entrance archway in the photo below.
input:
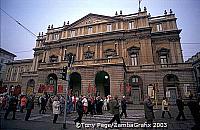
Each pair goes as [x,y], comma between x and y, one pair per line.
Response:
[52,80]
[102,82]
[30,87]
[136,92]
[75,83]
[170,84]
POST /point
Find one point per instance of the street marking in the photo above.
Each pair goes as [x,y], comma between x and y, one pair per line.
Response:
[38,117]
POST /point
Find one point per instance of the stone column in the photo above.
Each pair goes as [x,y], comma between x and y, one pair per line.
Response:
[47,56]
[18,69]
[97,28]
[122,25]
[101,50]
[101,27]
[81,55]
[173,54]
[96,51]
[11,73]
[117,47]
[122,43]
[36,64]
[60,55]
[43,57]
[33,64]
[77,52]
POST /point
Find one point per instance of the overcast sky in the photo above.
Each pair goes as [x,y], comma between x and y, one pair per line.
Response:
[36,15]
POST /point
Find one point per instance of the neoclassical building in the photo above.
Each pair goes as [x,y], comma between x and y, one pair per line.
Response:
[133,55]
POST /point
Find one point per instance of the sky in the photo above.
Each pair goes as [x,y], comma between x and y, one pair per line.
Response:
[36,15]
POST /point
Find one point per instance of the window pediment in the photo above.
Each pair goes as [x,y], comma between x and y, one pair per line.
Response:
[68,55]
[110,52]
[163,51]
[89,54]
[133,50]
[53,58]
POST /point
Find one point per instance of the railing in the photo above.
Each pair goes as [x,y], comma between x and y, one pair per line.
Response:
[159,67]
[114,60]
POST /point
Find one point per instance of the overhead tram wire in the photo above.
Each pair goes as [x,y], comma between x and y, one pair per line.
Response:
[19,23]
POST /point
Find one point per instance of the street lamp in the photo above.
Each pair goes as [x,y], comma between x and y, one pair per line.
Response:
[106,76]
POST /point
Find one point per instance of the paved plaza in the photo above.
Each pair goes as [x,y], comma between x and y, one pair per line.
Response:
[135,115]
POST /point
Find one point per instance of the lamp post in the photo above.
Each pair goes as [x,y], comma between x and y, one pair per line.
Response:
[66,92]
[66,71]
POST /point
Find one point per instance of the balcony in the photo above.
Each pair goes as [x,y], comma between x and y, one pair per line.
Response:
[176,66]
[96,62]
[50,65]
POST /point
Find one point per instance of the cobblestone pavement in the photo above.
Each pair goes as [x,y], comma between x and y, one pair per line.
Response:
[135,116]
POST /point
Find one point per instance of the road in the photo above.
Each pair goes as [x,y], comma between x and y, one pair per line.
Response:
[135,115]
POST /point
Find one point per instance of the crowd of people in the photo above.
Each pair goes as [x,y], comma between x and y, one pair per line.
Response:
[92,105]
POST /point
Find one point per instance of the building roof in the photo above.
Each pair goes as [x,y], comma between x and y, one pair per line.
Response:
[194,58]
[7,52]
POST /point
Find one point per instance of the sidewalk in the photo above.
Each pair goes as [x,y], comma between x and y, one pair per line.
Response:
[172,124]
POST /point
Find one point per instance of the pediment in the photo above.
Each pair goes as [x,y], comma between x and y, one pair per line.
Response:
[92,19]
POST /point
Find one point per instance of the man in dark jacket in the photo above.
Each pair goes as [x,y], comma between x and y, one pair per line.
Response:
[124,106]
[180,106]
[114,106]
[194,108]
[79,109]
[29,107]
[148,109]
[12,107]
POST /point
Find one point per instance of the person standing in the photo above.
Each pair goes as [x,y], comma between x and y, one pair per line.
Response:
[115,110]
[85,105]
[165,107]
[105,108]
[12,106]
[43,105]
[23,103]
[148,109]
[124,107]
[79,109]
[56,108]
[29,107]
[195,111]
[180,106]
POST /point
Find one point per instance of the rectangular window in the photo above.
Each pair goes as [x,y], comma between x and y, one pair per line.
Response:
[163,61]
[159,27]
[72,33]
[56,36]
[89,30]
[131,25]
[109,27]
[134,61]
[135,80]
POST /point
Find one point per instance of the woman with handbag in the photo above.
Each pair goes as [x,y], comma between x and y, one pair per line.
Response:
[165,108]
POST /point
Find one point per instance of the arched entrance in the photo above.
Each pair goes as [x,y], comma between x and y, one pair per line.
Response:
[52,80]
[30,87]
[136,92]
[75,83]
[102,82]
[171,89]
